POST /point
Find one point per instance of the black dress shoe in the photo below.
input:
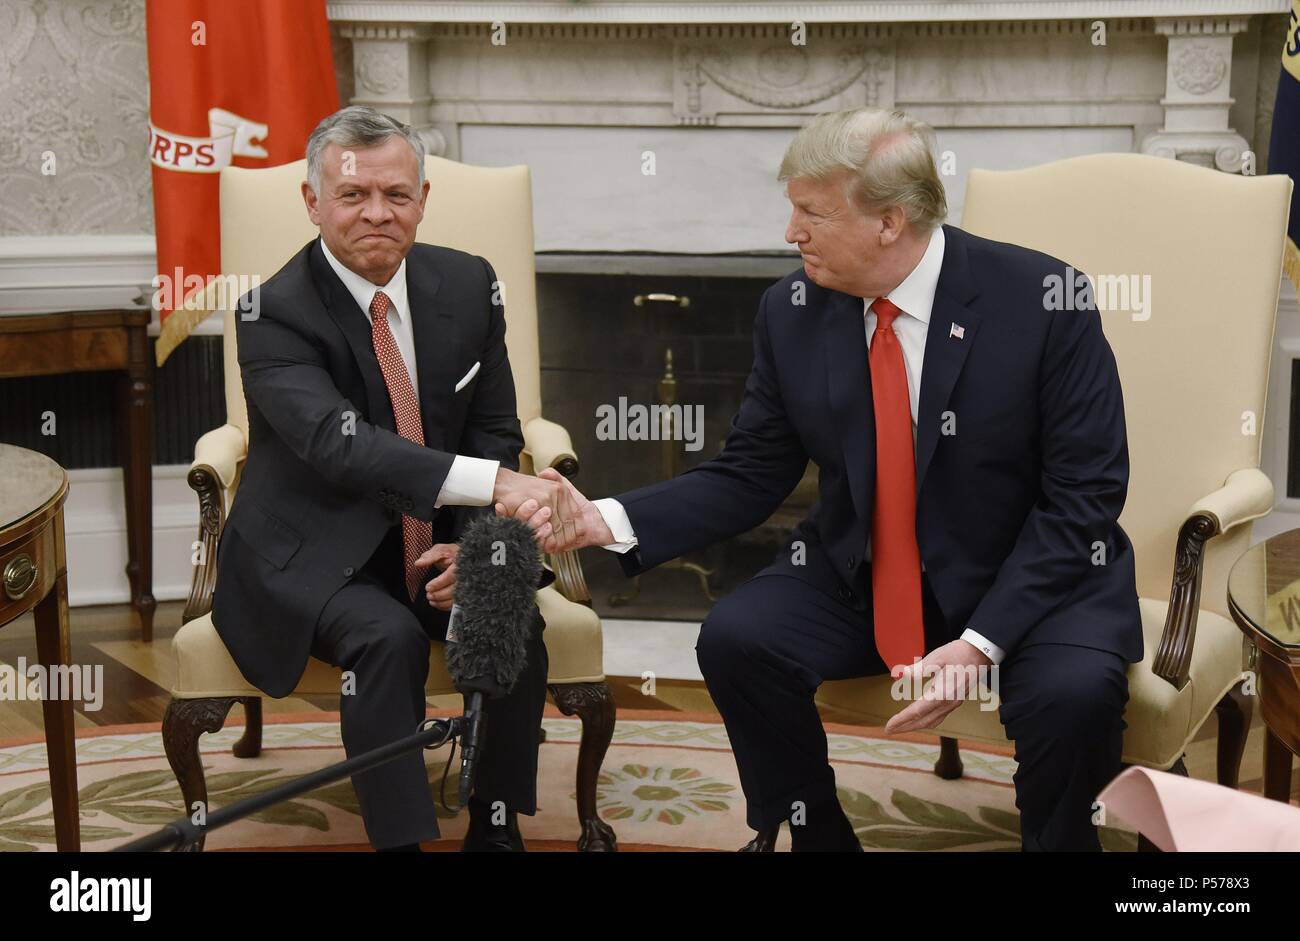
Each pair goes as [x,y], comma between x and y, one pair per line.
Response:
[764,842]
[483,836]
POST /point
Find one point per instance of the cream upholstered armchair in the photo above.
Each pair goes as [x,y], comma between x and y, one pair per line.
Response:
[486,211]
[1194,375]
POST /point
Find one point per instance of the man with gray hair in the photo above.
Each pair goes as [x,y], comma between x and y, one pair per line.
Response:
[973,464]
[381,413]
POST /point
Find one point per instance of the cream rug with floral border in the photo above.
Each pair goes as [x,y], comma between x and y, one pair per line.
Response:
[669,782]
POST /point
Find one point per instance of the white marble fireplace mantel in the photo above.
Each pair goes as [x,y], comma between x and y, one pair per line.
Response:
[780,11]
[657,127]
[581,91]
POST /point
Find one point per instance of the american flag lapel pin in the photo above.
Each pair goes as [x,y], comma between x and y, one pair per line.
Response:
[958,331]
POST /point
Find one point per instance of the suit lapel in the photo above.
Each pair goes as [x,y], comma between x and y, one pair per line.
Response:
[945,353]
[434,330]
[352,320]
[432,327]
[848,384]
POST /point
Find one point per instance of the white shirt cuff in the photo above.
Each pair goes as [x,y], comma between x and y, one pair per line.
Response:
[469,482]
[615,517]
[990,649]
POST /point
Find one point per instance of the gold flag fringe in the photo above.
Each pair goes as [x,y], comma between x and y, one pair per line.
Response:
[181,322]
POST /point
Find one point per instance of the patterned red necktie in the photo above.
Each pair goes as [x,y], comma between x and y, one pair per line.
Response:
[895,557]
[417,534]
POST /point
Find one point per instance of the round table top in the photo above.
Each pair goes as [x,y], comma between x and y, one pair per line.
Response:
[1264,588]
[28,481]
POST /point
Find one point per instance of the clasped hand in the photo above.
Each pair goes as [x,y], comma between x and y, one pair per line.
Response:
[561,518]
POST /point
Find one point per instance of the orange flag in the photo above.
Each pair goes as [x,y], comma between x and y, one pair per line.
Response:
[239,82]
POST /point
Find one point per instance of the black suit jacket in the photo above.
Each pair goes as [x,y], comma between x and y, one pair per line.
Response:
[1012,509]
[315,501]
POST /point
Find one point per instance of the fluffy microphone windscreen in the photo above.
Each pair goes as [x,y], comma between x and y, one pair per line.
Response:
[498,569]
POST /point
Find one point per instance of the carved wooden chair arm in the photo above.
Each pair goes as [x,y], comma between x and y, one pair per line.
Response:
[549,445]
[1247,494]
[217,459]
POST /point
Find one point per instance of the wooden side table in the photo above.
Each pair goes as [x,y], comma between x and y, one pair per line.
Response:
[1264,600]
[91,341]
[34,577]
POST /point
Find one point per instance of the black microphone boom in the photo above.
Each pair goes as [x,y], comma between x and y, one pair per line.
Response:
[499,567]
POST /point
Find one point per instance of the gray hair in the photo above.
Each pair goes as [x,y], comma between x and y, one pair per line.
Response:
[889,156]
[357,126]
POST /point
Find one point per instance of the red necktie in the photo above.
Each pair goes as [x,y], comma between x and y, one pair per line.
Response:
[417,534]
[895,558]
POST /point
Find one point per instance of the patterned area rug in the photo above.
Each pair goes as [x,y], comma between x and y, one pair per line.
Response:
[668,783]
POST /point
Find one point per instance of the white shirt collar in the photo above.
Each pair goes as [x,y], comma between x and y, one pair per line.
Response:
[915,296]
[364,291]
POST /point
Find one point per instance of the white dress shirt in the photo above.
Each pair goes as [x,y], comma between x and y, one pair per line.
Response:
[471,479]
[915,298]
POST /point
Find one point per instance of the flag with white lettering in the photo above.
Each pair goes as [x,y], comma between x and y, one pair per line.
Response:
[231,82]
[1284,144]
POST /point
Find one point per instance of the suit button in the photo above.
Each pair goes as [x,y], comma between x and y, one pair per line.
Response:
[349,572]
[845,594]
[408,504]
[853,560]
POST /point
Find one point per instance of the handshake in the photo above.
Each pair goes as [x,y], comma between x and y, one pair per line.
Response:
[561,518]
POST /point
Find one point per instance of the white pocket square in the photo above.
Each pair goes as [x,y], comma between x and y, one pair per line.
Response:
[473,371]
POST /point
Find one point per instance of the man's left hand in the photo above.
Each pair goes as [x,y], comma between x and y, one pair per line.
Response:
[950,685]
[441,591]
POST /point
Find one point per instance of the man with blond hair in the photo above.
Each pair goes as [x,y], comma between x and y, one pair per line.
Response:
[973,465]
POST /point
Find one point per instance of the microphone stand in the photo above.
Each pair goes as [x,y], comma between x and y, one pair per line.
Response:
[471,737]
[183,833]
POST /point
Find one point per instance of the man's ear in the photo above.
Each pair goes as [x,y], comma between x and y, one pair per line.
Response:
[892,222]
[313,205]
[424,195]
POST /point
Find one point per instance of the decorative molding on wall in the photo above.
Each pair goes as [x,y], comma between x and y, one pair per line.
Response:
[1028,29]
[44,273]
[391,73]
[1196,101]
[767,76]
[719,11]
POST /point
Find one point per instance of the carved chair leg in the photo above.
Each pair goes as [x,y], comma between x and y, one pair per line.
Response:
[250,744]
[183,722]
[594,706]
[1234,711]
[949,766]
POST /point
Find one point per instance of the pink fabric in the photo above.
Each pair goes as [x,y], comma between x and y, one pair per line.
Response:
[1180,814]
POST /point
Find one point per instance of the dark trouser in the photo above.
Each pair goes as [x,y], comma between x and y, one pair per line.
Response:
[370,628]
[766,648]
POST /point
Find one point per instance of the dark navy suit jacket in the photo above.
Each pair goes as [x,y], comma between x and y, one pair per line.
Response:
[1014,510]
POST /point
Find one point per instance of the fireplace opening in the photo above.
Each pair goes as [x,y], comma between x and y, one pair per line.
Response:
[646,369]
